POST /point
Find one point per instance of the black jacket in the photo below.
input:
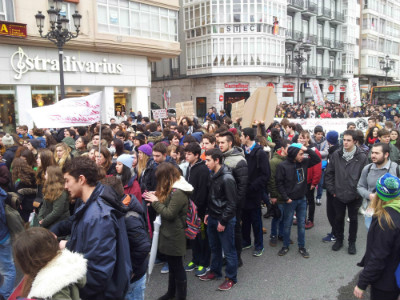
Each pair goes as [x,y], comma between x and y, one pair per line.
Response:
[291,176]
[258,176]
[222,196]
[148,181]
[198,176]
[9,156]
[382,255]
[341,176]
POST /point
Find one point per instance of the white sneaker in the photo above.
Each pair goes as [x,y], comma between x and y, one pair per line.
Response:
[348,220]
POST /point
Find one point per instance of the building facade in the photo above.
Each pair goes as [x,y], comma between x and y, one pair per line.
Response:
[113,54]
[230,48]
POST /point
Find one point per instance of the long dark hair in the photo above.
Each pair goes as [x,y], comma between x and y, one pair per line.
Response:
[126,175]
[22,171]
[166,175]
[46,160]
[397,144]
[370,134]
[119,146]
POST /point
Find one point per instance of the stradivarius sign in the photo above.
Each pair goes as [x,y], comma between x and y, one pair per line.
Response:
[22,64]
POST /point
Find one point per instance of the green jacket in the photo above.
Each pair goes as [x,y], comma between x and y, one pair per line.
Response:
[55,211]
[273,190]
[173,212]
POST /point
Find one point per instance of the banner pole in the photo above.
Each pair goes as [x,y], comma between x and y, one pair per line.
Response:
[100,127]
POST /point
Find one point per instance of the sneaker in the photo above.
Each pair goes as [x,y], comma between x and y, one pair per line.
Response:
[304,252]
[226,285]
[201,271]
[190,267]
[283,251]
[318,201]
[337,245]
[361,211]
[247,247]
[352,248]
[258,253]
[329,238]
[309,224]
[158,262]
[165,269]
[348,220]
[208,276]
[273,241]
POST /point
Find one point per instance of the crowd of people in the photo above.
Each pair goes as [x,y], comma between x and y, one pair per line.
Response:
[96,191]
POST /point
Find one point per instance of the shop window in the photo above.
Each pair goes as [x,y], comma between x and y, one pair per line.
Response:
[7,109]
[43,95]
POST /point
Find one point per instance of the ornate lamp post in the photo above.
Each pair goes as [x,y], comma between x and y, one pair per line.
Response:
[386,65]
[58,33]
[299,59]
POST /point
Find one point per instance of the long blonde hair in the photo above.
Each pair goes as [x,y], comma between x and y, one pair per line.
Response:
[142,163]
[66,156]
[380,212]
[166,175]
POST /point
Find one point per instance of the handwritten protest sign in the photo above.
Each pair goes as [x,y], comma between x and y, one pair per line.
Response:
[82,111]
[159,114]
[353,90]
[260,106]
[237,110]
[316,92]
[184,109]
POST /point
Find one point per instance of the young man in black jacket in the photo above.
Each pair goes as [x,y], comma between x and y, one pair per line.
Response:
[258,176]
[198,176]
[220,218]
[291,182]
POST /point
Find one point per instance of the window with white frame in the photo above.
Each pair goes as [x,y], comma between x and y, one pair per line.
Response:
[67,10]
[137,19]
[7,10]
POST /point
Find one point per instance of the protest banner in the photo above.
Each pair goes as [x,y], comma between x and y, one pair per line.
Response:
[353,92]
[184,109]
[317,94]
[159,114]
[237,110]
[82,111]
[260,106]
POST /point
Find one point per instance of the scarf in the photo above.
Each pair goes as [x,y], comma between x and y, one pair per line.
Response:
[248,149]
[349,155]
[372,141]
[394,204]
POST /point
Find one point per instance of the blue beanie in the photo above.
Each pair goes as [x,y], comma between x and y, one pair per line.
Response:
[332,137]
[126,160]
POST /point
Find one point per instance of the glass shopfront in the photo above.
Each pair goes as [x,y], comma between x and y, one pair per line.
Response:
[7,108]
[43,95]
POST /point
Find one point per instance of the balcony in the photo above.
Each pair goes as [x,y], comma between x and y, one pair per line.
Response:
[337,45]
[310,39]
[295,5]
[293,36]
[310,8]
[324,13]
[337,18]
[338,73]
[323,43]
[326,72]
[312,71]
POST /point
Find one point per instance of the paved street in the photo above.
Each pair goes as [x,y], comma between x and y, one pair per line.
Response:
[325,275]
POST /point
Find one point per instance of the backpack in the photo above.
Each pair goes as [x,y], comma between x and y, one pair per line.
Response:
[397,169]
[193,222]
[14,221]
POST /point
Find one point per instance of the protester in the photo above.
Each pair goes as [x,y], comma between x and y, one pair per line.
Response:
[62,154]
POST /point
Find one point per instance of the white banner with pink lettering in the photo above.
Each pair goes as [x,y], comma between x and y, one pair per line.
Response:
[82,111]
[353,92]
[316,92]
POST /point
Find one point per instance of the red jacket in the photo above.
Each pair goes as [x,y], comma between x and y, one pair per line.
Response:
[133,188]
[314,173]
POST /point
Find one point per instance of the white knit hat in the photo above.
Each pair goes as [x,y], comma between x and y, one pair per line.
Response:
[8,140]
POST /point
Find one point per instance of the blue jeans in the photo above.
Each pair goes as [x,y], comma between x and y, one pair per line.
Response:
[225,241]
[136,289]
[277,224]
[300,207]
[320,188]
[7,268]
[252,218]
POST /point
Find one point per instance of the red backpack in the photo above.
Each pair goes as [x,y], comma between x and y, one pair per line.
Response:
[193,222]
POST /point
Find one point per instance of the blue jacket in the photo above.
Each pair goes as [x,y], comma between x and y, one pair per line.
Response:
[4,233]
[42,141]
[98,232]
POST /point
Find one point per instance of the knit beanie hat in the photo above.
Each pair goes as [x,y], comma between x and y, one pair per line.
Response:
[332,137]
[8,140]
[293,150]
[126,160]
[146,149]
[69,141]
[35,143]
[388,187]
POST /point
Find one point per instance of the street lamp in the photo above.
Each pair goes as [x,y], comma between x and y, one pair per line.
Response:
[386,65]
[299,59]
[58,32]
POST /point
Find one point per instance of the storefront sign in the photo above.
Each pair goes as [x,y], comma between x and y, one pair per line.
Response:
[241,28]
[270,84]
[331,88]
[232,87]
[364,87]
[221,98]
[12,29]
[342,89]
[22,63]
[288,87]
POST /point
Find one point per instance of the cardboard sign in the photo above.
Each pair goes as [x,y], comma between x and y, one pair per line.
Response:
[159,114]
[237,110]
[184,109]
[260,106]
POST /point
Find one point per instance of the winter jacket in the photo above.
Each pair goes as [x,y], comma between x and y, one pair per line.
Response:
[173,219]
[381,255]
[55,211]
[291,176]
[198,176]
[133,188]
[148,181]
[341,176]
[61,278]
[139,242]
[4,232]
[235,160]
[314,173]
[27,194]
[155,137]
[9,156]
[5,176]
[394,154]
[42,140]
[258,176]
[98,232]
[273,190]
[222,196]
[322,146]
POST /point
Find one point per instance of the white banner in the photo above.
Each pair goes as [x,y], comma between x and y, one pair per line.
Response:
[317,94]
[353,91]
[337,124]
[82,111]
